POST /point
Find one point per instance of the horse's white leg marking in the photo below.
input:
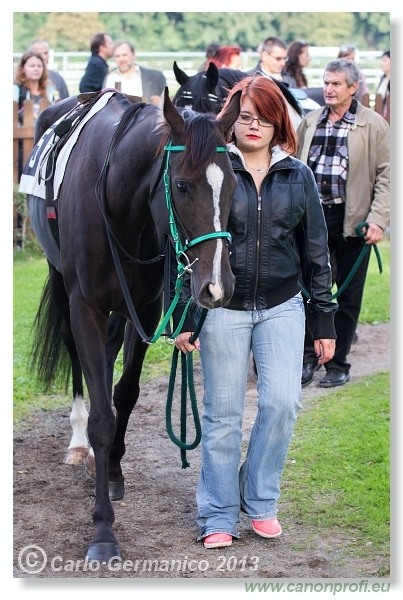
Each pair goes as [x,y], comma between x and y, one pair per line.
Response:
[215,178]
[89,464]
[78,447]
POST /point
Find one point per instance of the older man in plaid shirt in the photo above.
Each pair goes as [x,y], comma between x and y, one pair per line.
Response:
[347,147]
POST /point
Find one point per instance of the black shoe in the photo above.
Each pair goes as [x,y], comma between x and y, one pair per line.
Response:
[308,371]
[333,378]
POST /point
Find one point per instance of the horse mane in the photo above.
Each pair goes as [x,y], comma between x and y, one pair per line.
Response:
[203,135]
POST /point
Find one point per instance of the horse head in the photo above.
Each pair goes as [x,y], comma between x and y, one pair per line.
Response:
[205,91]
[201,185]
[199,91]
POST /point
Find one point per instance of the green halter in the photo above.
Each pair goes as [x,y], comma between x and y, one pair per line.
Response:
[183,266]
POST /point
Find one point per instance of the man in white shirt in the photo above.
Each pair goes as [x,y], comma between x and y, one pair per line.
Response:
[132,79]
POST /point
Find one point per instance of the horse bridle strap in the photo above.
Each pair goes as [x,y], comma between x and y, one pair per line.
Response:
[179,247]
[183,264]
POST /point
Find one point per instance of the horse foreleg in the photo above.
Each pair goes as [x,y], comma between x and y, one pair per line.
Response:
[104,544]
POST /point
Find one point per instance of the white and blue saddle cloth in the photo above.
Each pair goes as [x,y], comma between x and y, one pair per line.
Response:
[33,177]
[33,180]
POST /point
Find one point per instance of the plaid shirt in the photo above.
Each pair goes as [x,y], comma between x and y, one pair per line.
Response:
[328,156]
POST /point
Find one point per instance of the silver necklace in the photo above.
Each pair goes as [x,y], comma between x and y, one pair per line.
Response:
[261,170]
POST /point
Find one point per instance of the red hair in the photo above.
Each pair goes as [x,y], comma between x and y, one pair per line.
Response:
[270,105]
[223,55]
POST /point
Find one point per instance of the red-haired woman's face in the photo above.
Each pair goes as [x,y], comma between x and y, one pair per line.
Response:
[255,135]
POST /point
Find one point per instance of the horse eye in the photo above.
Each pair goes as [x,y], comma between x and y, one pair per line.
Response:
[181,187]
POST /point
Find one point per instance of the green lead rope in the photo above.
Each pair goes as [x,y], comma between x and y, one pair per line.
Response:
[360,230]
[187,380]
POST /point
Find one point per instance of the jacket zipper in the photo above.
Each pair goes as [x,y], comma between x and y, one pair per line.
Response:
[259,213]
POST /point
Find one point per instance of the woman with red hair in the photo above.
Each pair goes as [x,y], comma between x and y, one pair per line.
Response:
[278,232]
[227,56]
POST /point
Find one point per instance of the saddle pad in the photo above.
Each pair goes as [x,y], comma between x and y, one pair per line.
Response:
[33,177]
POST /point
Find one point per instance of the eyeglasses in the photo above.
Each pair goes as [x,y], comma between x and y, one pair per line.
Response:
[277,57]
[244,119]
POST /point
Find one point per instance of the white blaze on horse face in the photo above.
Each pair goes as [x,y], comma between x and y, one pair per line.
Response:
[215,177]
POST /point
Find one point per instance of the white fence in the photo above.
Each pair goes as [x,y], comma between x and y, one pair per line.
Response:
[71,65]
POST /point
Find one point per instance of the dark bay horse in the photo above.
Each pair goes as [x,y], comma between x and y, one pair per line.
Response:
[206,91]
[128,165]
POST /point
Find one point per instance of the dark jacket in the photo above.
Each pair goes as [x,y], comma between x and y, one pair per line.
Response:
[59,83]
[95,73]
[279,241]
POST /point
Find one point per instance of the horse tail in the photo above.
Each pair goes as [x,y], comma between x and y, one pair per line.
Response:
[49,358]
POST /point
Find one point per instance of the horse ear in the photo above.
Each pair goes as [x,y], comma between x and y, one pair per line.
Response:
[228,118]
[173,118]
[212,76]
[180,75]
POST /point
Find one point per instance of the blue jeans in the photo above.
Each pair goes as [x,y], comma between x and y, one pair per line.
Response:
[276,338]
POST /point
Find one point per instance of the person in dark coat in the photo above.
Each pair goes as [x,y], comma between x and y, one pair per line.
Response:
[97,67]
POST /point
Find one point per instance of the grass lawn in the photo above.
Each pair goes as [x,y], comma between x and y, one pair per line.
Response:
[337,473]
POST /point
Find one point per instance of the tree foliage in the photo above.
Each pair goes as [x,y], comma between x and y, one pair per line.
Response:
[71,31]
[193,31]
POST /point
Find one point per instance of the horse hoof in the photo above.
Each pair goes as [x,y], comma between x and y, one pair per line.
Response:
[103,551]
[89,464]
[75,456]
[116,489]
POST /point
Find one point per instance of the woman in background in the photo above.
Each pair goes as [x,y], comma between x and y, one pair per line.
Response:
[297,60]
[384,86]
[31,82]
[210,51]
[227,56]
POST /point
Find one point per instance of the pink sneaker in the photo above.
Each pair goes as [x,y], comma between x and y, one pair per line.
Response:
[217,540]
[270,528]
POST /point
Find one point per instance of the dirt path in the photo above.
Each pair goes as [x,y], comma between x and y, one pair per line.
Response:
[155,523]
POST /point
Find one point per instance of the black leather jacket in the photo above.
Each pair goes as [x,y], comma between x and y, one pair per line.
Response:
[278,241]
